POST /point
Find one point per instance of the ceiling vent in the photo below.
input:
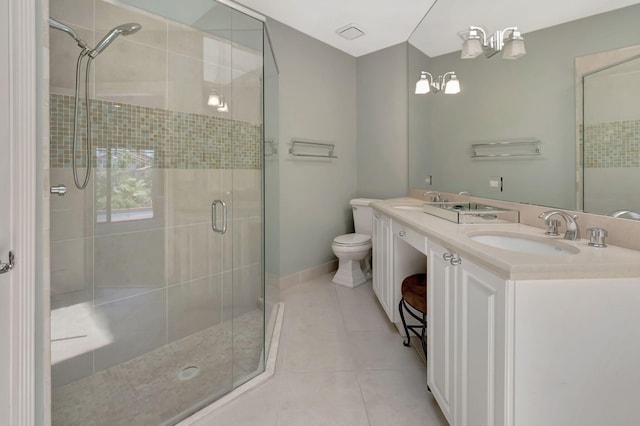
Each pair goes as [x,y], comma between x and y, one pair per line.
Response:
[350,32]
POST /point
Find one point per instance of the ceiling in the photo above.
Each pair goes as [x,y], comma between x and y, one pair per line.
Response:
[389,22]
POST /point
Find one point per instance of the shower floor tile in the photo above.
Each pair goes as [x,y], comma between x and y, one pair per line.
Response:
[147,390]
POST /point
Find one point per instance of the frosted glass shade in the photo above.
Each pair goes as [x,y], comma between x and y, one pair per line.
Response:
[423,85]
[514,49]
[471,48]
[214,99]
[452,86]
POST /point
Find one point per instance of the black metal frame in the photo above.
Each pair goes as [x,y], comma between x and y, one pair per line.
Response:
[412,328]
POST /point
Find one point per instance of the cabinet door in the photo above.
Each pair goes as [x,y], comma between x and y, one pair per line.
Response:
[480,348]
[440,327]
[382,261]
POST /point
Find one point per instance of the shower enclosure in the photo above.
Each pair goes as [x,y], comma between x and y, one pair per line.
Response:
[158,267]
[611,117]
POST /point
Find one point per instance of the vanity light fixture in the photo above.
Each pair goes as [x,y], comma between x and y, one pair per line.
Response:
[476,42]
[448,82]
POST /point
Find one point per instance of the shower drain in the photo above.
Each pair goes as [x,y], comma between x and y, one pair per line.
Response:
[188,372]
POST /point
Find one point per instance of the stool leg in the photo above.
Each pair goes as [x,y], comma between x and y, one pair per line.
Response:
[404,324]
[422,337]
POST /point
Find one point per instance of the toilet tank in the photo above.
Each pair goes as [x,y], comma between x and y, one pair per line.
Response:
[362,215]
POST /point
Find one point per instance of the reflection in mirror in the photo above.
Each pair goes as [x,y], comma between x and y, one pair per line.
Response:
[611,111]
[533,97]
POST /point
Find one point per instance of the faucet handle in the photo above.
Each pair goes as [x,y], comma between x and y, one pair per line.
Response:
[552,227]
[596,237]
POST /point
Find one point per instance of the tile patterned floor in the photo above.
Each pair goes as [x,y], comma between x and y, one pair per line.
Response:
[340,363]
[147,391]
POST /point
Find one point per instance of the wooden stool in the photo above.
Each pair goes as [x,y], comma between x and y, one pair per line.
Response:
[414,294]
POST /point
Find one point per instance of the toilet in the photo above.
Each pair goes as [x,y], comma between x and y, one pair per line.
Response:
[354,250]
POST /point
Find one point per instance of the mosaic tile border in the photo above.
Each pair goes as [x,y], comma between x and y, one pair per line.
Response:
[612,144]
[179,140]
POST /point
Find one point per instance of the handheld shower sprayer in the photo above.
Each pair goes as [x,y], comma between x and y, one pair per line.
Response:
[124,30]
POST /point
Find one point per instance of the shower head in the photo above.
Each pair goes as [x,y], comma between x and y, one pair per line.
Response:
[124,29]
[53,23]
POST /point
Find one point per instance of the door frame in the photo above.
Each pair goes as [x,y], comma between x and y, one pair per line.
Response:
[22,23]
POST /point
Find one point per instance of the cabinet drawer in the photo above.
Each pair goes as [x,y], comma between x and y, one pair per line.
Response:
[412,238]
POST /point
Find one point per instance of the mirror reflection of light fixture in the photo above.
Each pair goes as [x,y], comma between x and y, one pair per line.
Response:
[215,100]
[448,82]
[224,107]
[476,42]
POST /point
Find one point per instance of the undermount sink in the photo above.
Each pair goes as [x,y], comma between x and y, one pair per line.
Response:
[409,207]
[525,244]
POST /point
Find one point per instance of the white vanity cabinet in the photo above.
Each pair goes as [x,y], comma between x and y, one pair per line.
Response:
[518,339]
[382,260]
[481,347]
[467,362]
[440,327]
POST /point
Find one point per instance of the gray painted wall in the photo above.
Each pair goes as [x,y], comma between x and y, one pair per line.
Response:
[317,102]
[382,123]
[419,113]
[530,97]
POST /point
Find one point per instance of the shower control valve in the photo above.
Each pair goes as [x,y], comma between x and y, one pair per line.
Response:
[58,189]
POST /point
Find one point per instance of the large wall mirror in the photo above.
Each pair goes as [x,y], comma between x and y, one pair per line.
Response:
[533,97]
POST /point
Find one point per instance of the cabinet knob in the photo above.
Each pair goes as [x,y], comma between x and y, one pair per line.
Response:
[456,261]
[377,215]
[447,257]
[402,233]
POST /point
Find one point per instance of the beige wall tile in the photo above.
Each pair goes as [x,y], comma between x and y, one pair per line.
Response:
[127,264]
[62,61]
[187,89]
[72,12]
[132,73]
[136,324]
[194,306]
[184,40]
[71,214]
[71,271]
[109,16]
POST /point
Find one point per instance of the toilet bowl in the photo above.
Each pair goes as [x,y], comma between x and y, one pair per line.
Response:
[354,250]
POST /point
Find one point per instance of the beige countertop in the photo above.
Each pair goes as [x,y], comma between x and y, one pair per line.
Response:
[590,262]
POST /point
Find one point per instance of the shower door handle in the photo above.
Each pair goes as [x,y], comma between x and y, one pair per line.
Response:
[214,216]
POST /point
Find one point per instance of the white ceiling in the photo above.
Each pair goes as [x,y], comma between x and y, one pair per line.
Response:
[389,22]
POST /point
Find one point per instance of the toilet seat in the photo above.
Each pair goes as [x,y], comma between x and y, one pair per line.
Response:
[352,240]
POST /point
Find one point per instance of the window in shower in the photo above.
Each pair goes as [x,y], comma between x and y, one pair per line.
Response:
[124,184]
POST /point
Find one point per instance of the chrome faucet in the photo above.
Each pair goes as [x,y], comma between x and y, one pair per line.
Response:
[572,232]
[631,214]
[436,198]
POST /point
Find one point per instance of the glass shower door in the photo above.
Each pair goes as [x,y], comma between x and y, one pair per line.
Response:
[155,311]
[243,84]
